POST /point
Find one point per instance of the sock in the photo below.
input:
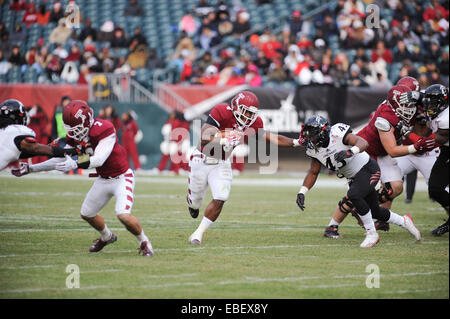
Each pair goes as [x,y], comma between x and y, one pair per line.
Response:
[141,237]
[204,225]
[368,221]
[105,234]
[396,219]
[333,223]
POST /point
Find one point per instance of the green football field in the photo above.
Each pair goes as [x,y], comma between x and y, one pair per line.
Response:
[262,246]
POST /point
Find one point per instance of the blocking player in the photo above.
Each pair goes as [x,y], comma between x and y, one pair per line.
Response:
[209,164]
[339,150]
[115,177]
[390,124]
[435,103]
[17,140]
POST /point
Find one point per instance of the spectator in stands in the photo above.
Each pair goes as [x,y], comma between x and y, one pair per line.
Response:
[276,71]
[431,12]
[44,58]
[242,23]
[18,36]
[16,58]
[188,24]
[185,43]
[4,64]
[211,76]
[130,130]
[295,25]
[133,9]
[106,33]
[393,37]
[43,16]
[382,82]
[6,45]
[30,56]
[138,58]
[69,73]
[329,27]
[60,51]
[435,50]
[153,61]
[225,27]
[3,28]
[355,77]
[304,43]
[339,70]
[38,123]
[54,68]
[119,39]
[252,77]
[208,38]
[58,130]
[30,17]
[138,37]
[203,9]
[88,30]
[56,14]
[401,52]
[60,34]
[271,48]
[293,58]
[74,54]
[18,5]
[262,62]
[443,65]
[84,71]
[122,66]
[381,52]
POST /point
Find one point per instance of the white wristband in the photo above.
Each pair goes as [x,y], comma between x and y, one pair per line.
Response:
[303,190]
[223,141]
[296,143]
[411,149]
[355,149]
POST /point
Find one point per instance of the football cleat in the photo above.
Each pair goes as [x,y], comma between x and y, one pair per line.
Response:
[195,240]
[372,238]
[380,225]
[440,230]
[409,225]
[99,243]
[332,232]
[146,249]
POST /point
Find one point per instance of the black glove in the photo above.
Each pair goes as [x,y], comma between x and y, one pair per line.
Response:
[301,201]
[342,155]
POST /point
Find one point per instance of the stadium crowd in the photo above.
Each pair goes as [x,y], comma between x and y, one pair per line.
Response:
[216,45]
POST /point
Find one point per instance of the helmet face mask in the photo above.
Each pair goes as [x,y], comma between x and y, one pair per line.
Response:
[78,118]
[435,100]
[405,111]
[13,112]
[245,108]
[316,131]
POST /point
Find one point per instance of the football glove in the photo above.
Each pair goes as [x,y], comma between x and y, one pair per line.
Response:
[424,144]
[301,200]
[404,129]
[342,155]
[409,97]
[66,166]
[24,169]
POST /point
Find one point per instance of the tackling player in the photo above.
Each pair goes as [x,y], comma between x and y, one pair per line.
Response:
[226,127]
[115,178]
[339,150]
[17,140]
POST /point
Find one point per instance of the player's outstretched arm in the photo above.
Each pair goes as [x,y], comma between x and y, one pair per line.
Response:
[308,182]
[46,166]
[281,140]
[29,148]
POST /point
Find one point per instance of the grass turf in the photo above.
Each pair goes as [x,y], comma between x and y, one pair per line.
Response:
[262,246]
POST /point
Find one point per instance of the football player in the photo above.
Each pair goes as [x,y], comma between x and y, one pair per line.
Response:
[389,127]
[226,127]
[99,141]
[435,102]
[339,150]
[17,140]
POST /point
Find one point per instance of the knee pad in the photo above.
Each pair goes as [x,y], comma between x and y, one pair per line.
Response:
[385,192]
[345,205]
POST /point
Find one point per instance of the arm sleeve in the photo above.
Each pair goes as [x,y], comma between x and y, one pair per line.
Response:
[47,165]
[102,151]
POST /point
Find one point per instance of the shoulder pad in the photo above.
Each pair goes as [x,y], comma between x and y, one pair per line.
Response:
[382,124]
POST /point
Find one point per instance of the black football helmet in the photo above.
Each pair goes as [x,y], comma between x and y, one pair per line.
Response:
[435,100]
[12,112]
[316,132]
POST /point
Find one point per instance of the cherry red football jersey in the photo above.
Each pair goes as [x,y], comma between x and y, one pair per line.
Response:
[370,132]
[117,162]
[222,116]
